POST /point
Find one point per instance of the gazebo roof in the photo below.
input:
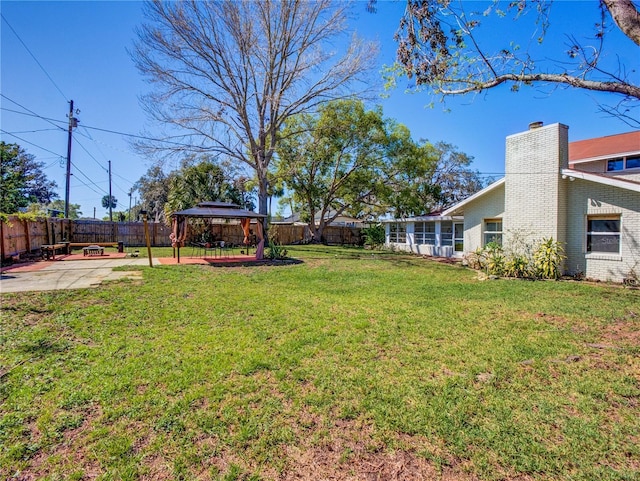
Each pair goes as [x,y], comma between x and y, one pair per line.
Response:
[219,210]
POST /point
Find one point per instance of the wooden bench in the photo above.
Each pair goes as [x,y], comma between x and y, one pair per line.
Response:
[77,245]
[93,250]
[49,250]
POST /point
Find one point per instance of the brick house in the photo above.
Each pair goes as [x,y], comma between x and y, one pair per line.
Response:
[585,194]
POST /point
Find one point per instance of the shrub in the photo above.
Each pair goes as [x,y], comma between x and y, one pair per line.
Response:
[544,261]
[548,258]
[494,259]
[518,266]
[374,236]
[276,251]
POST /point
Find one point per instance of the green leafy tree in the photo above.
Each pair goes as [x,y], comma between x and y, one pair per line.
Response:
[55,206]
[154,191]
[22,180]
[451,48]
[118,216]
[443,179]
[109,202]
[200,182]
[341,161]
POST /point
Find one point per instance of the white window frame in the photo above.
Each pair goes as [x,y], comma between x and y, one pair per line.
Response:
[423,236]
[623,163]
[589,233]
[398,232]
[486,231]
[446,238]
[458,240]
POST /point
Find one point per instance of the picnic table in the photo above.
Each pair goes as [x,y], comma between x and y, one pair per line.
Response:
[93,250]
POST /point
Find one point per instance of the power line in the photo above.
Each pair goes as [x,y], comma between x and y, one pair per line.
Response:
[89,179]
[109,131]
[142,137]
[30,131]
[30,111]
[32,114]
[30,143]
[34,57]
[89,154]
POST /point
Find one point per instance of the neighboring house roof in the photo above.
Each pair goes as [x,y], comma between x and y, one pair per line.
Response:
[600,148]
[602,179]
[457,209]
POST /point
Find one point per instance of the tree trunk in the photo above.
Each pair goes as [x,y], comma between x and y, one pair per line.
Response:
[320,231]
[263,200]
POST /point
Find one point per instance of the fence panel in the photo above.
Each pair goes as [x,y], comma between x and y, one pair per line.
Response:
[23,236]
[335,235]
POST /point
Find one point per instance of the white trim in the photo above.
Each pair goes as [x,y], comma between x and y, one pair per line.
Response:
[480,193]
[600,179]
[425,218]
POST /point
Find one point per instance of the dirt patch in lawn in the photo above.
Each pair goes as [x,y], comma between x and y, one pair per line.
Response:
[624,332]
[351,455]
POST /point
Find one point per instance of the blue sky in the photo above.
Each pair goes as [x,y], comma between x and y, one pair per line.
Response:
[80,50]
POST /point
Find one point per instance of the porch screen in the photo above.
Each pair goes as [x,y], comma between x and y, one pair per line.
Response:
[425,233]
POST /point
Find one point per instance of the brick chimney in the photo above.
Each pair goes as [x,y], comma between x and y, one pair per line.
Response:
[535,193]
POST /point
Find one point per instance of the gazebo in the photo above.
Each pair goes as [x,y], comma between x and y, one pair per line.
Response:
[217,210]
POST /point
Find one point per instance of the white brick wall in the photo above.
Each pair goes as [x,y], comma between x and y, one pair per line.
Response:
[588,198]
[488,206]
[534,190]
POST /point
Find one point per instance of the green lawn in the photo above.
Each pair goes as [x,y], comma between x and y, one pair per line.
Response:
[349,365]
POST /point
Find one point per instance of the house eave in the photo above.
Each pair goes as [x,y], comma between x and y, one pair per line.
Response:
[601,179]
[456,209]
[423,218]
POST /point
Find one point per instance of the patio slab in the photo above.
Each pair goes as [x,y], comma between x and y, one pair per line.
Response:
[66,274]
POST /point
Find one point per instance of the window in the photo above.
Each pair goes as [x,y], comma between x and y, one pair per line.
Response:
[425,233]
[603,235]
[615,165]
[458,237]
[493,231]
[398,232]
[446,233]
[633,162]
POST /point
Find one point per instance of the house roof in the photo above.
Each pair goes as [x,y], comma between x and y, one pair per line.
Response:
[631,185]
[423,218]
[218,210]
[458,208]
[604,147]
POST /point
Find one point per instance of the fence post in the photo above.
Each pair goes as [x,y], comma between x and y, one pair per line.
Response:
[25,222]
[1,240]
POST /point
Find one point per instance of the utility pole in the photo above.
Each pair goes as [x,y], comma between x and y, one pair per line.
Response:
[110,197]
[73,122]
[130,192]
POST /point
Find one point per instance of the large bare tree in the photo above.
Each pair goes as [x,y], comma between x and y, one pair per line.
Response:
[451,48]
[227,74]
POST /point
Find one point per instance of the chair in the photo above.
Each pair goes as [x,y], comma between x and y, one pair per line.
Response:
[197,249]
[224,248]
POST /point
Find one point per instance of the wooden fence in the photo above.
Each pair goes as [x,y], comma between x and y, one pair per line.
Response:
[21,236]
[24,236]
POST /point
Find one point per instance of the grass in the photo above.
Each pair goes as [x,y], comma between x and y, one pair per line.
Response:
[349,365]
